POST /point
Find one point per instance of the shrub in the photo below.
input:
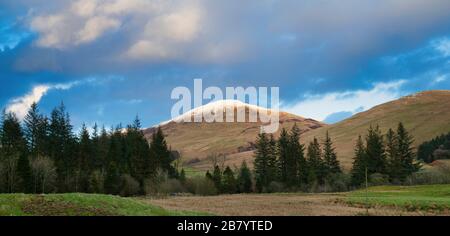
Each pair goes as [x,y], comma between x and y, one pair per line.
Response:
[201,186]
[275,187]
[171,186]
[129,186]
[378,179]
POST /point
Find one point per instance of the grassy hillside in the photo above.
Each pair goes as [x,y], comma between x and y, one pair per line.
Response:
[77,204]
[195,141]
[411,198]
[424,114]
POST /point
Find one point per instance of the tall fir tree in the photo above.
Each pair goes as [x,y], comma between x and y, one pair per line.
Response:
[330,156]
[229,184]
[283,155]
[316,165]
[84,168]
[394,163]
[161,153]
[358,172]
[217,178]
[13,156]
[36,132]
[265,161]
[406,152]
[375,151]
[244,179]
[297,166]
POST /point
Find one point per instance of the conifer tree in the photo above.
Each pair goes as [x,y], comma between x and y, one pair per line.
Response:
[406,152]
[229,181]
[13,149]
[392,154]
[358,172]
[297,167]
[375,151]
[283,155]
[244,179]
[316,166]
[84,160]
[265,161]
[217,178]
[161,153]
[36,132]
[330,157]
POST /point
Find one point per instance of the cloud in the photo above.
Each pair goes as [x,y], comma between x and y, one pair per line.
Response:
[20,105]
[443,46]
[322,106]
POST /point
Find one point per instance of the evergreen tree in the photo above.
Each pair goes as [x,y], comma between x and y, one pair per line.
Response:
[297,166]
[265,161]
[406,152]
[358,172]
[36,132]
[13,149]
[330,157]
[217,178]
[160,151]
[316,165]
[83,162]
[244,179]
[24,172]
[283,155]
[393,158]
[229,181]
[375,151]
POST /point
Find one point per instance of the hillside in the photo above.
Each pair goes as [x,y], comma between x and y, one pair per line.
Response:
[425,115]
[197,141]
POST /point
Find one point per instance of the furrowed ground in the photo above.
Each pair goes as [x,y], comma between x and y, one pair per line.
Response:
[382,200]
[77,204]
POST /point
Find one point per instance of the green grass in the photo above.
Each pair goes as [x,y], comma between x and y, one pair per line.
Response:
[421,197]
[78,204]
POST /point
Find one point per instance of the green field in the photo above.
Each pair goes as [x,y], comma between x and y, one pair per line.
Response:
[411,198]
[78,204]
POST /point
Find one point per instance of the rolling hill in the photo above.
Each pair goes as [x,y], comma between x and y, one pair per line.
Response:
[197,141]
[425,115]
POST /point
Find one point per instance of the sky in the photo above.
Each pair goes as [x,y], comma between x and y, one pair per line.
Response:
[110,60]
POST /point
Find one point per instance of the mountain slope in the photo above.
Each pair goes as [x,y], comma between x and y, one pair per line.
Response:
[425,115]
[197,141]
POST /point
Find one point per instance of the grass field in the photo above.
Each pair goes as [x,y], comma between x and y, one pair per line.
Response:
[75,204]
[411,198]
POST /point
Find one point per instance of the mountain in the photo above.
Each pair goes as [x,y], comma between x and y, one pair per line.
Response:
[198,141]
[425,115]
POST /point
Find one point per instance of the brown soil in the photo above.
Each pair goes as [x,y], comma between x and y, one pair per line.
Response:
[272,204]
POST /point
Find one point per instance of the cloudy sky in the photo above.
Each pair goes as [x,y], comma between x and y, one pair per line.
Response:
[109,60]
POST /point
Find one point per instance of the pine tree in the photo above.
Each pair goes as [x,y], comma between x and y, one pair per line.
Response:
[358,172]
[316,166]
[244,179]
[395,168]
[297,166]
[36,132]
[161,153]
[375,151]
[84,160]
[330,157]
[229,181]
[217,178]
[24,172]
[283,155]
[265,161]
[13,153]
[406,152]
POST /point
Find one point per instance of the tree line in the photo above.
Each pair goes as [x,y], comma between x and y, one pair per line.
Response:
[43,154]
[284,164]
[435,149]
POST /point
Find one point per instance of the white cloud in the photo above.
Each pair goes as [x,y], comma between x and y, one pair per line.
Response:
[20,105]
[443,46]
[320,106]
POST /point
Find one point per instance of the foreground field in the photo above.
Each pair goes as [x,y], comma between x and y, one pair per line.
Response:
[75,204]
[386,200]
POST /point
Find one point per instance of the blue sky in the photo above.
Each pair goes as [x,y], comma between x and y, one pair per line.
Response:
[109,60]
